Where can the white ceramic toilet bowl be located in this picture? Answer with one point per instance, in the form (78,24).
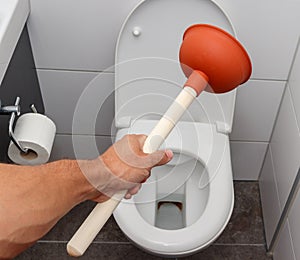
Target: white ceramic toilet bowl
(206,191)
(185,205)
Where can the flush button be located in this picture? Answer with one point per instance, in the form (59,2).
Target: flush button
(136,31)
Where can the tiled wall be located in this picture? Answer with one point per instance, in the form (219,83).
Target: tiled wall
(73,44)
(256,109)
(74,41)
(20,80)
(280,169)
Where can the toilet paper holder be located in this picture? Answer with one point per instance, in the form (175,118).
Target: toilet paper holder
(13,111)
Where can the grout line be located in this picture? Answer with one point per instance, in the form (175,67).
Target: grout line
(94,242)
(288,83)
(248,141)
(237,244)
(129,243)
(294,58)
(261,167)
(293,106)
(91,135)
(278,111)
(52,241)
(112,72)
(111,242)
(285,212)
(76,70)
(260,200)
(286,88)
(266,79)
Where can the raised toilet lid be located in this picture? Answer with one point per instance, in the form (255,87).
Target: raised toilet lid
(148,75)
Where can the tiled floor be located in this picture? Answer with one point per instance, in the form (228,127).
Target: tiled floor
(242,239)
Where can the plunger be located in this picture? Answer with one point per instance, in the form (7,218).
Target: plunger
(212,60)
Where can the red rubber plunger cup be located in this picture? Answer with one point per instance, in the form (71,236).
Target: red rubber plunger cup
(217,54)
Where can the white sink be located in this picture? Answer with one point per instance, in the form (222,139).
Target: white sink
(13,15)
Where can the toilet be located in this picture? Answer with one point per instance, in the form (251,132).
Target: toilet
(185,205)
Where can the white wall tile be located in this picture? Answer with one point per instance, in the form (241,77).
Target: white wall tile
(269,30)
(284,248)
(256,108)
(294,84)
(283,160)
(77,99)
(92,27)
(269,197)
(285,147)
(78,34)
(3,67)
(294,217)
(247,159)
(79,146)
(68,42)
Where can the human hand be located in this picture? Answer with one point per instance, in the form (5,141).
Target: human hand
(124,166)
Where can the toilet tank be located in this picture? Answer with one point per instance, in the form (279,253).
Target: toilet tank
(148,75)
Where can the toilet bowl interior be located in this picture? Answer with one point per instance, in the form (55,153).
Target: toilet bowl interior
(174,197)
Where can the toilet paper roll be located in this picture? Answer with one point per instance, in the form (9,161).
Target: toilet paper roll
(35,132)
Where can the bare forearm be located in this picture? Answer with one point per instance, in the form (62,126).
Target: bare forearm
(34,198)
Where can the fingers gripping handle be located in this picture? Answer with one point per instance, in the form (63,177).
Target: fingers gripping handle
(101,213)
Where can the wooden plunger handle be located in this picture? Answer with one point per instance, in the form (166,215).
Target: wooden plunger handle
(101,213)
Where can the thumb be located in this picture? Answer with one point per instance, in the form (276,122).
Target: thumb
(161,157)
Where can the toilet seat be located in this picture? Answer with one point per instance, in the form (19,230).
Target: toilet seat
(218,208)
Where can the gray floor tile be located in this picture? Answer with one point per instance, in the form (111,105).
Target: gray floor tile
(99,251)
(57,251)
(68,225)
(244,227)
(246,223)
(242,239)
(229,252)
